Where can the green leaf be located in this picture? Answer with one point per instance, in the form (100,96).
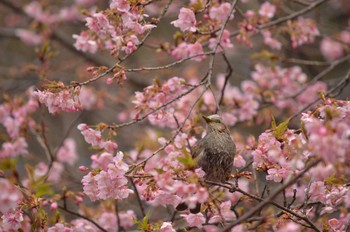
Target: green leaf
(142,225)
(39,185)
(332,179)
(43,189)
(7,163)
(187,160)
(280,129)
(273,123)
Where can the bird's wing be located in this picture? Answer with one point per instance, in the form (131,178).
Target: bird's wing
(197,149)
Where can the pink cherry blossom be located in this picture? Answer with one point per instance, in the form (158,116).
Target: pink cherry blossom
(83,225)
(84,43)
(210,228)
(331,49)
(195,50)
(239,162)
(108,183)
(12,219)
(220,12)
(267,9)
(271,42)
(91,136)
(88,98)
(35,11)
(14,149)
(108,221)
(102,160)
(55,172)
(277,175)
(238,228)
(226,212)
(9,196)
(67,153)
(127,219)
(225,41)
(345,36)
(28,37)
(317,191)
(196,220)
(303,31)
(288,227)
(185,50)
(131,44)
(90,186)
(120,5)
(167,227)
(99,24)
(65,100)
(59,227)
(186,20)
(340,224)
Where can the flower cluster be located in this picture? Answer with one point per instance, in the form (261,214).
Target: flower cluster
(94,137)
(114,29)
(331,49)
(185,50)
(107,180)
(186,21)
(302,31)
(15,117)
(64,100)
(68,99)
(286,88)
(279,157)
(330,126)
(157,95)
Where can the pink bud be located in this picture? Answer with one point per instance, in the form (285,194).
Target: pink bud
(109,81)
(83,168)
(130,44)
(90,69)
(78,199)
(54,206)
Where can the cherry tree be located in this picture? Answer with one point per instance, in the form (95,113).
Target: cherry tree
(102,101)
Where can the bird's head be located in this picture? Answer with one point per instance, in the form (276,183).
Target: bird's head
(215,123)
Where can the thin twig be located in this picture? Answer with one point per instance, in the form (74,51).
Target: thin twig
(82,216)
(117,215)
(167,65)
(138,198)
(227,77)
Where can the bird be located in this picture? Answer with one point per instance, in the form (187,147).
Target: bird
(214,153)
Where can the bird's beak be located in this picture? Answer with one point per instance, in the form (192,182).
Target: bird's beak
(207,119)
